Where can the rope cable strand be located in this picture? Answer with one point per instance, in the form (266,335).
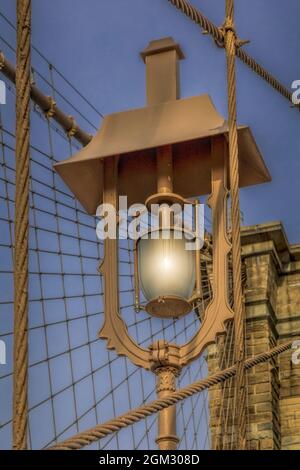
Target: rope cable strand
(98,432)
(219,37)
(47,105)
(21,226)
(239,309)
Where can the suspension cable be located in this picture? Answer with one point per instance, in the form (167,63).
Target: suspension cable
(47,105)
(133,416)
(219,36)
(21,226)
(239,308)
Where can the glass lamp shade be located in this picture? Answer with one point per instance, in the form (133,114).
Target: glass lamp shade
(167,272)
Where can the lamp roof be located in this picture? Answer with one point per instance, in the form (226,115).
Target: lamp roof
(187,124)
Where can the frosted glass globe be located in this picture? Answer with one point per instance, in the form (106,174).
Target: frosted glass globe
(166,267)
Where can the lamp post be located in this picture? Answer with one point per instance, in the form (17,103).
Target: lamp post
(169,152)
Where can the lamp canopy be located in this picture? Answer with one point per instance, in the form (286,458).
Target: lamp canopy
(188,125)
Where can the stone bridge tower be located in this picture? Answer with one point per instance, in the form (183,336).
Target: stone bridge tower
(272,298)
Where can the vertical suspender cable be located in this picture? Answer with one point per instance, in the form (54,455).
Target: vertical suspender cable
(218,35)
(239,313)
(21,225)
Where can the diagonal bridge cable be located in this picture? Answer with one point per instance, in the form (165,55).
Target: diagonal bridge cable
(133,416)
(44,58)
(218,35)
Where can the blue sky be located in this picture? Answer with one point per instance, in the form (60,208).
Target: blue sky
(96,44)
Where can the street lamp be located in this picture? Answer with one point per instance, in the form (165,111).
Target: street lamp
(169,152)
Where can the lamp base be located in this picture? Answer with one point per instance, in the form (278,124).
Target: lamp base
(168,307)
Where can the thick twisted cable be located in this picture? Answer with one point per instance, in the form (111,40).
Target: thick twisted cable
(218,35)
(98,432)
(21,226)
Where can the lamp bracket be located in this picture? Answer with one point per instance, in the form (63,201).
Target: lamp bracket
(218,311)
